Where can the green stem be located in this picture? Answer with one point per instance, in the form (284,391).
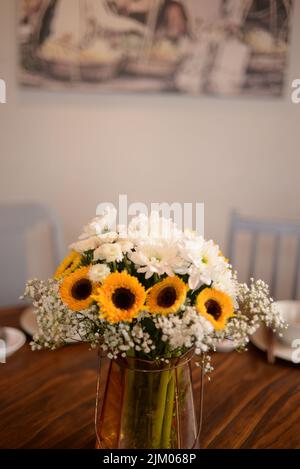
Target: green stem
(129,398)
(167,425)
(128,407)
(127,265)
(160,409)
(150,406)
(156,278)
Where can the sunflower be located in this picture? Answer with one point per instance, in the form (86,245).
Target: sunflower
(167,296)
(120,297)
(215,306)
(76,289)
(68,265)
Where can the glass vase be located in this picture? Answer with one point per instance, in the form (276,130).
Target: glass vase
(146,405)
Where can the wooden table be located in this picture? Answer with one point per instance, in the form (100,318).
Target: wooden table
(47,399)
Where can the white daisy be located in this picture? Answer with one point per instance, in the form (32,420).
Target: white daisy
(138,227)
(125,245)
(99,272)
(157,257)
(100,224)
(153,227)
(224,281)
(85,244)
(205,262)
(109,252)
(108,237)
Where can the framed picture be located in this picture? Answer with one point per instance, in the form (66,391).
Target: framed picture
(210,47)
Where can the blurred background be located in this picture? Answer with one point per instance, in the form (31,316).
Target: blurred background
(70,150)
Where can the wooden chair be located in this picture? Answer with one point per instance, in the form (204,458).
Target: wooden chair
(275,229)
(16,220)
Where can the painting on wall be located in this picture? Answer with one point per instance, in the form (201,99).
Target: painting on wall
(210,47)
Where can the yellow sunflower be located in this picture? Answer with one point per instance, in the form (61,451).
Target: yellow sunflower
(76,289)
(120,297)
(68,265)
(215,306)
(167,296)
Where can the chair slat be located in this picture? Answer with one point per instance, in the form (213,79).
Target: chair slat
(256,227)
(16,220)
(252,262)
(297,273)
(275,265)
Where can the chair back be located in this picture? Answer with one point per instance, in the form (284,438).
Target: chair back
(277,230)
(16,223)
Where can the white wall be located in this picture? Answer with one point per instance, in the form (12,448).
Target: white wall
(72,150)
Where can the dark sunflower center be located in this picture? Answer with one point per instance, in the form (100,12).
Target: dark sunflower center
(213,308)
(166,297)
(82,289)
(123,298)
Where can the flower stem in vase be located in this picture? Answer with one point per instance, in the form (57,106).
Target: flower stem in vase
(140,408)
(160,408)
(128,409)
(150,407)
(169,410)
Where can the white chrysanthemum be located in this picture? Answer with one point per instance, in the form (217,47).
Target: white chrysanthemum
(138,228)
(152,228)
(108,237)
(157,257)
(100,224)
(192,235)
(224,281)
(192,246)
(125,245)
(206,261)
(109,252)
(99,272)
(85,244)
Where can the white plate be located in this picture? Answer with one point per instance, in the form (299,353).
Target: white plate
(281,350)
(290,312)
(225,346)
(14,340)
(29,324)
(28,321)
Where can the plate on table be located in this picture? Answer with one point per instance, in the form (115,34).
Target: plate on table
(225,346)
(281,350)
(14,340)
(28,321)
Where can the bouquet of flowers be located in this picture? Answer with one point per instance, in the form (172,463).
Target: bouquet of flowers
(149,291)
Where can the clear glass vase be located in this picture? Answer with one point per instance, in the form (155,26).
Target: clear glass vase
(141,404)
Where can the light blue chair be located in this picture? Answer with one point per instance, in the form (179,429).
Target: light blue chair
(15,221)
(275,229)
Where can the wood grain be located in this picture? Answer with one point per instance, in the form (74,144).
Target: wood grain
(47,399)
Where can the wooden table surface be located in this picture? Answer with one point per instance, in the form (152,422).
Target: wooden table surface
(47,399)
